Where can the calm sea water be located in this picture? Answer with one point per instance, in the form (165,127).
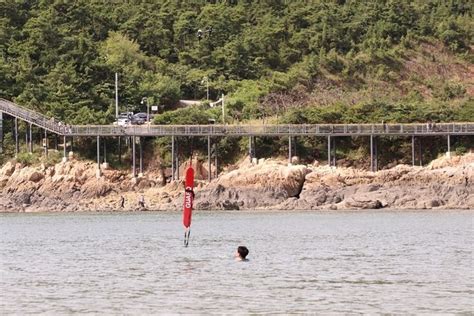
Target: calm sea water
(300,262)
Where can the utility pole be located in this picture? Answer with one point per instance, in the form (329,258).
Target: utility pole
(223,110)
(145,100)
(116,97)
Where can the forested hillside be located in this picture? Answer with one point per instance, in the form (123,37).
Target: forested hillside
(292,61)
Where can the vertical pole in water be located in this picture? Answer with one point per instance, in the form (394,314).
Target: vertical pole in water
(30,138)
(17,146)
(172,157)
(209,158)
(133,157)
(329,151)
(449,145)
(141,155)
(45,143)
(413,150)
(290,147)
(372,153)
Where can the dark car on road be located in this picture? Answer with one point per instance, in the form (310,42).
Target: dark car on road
(139,118)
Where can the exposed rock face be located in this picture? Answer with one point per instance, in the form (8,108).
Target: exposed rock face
(72,186)
(253,186)
(446,183)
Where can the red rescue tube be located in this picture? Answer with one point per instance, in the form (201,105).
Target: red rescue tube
(188,197)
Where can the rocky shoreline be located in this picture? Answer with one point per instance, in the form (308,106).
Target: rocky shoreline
(72,186)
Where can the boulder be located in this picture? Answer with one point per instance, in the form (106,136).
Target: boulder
(361,204)
(95,188)
(36,176)
(228,205)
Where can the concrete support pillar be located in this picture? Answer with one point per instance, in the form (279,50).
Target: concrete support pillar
(98,171)
(177,166)
(98,152)
(26,135)
(64,149)
(45,143)
(250,148)
(334,152)
(141,155)
(329,151)
(30,138)
(134,173)
(105,151)
(376,154)
(413,150)
(372,153)
(17,144)
(120,149)
(172,157)
(290,147)
(449,146)
(420,151)
(209,176)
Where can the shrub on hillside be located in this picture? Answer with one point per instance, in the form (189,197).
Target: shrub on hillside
(194,115)
(26,158)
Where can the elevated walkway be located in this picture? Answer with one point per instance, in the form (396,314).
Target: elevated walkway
(53,125)
(35,118)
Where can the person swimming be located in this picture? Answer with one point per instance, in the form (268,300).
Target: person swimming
(241,253)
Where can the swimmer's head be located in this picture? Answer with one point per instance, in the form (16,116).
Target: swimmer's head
(242,251)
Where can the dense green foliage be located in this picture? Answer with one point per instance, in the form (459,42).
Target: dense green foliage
(378,112)
(60,57)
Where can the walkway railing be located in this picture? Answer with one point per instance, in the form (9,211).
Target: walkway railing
(32,117)
(276,130)
(236,130)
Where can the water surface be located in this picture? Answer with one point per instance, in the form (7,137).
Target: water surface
(308,262)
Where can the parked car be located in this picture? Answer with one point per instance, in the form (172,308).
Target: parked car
(139,118)
(122,121)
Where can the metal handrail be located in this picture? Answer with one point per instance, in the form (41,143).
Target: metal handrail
(276,130)
(463,128)
(31,116)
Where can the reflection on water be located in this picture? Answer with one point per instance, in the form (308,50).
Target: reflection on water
(340,262)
